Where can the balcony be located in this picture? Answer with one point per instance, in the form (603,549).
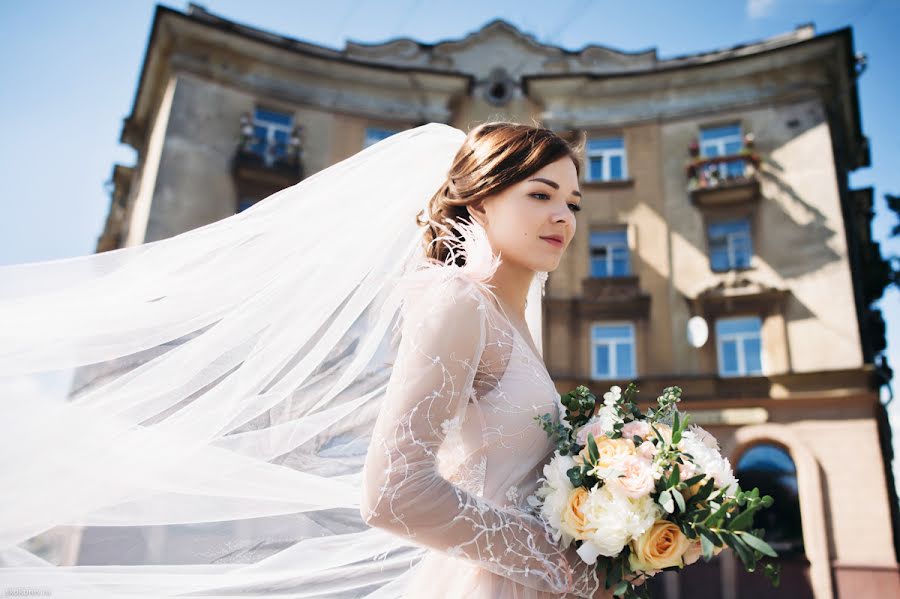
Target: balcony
(263,165)
(727,180)
(613,297)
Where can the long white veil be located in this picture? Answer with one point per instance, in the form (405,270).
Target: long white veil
(227,382)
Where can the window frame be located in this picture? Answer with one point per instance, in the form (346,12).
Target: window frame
(730,251)
(605,154)
(734,168)
(369,141)
(610,262)
(615,374)
(739,339)
(271,129)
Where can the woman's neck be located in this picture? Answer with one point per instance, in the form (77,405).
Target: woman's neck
(511,283)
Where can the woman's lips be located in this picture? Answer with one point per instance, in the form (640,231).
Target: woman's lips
(552,241)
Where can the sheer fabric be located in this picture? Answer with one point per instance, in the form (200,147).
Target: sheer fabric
(230,385)
(456,450)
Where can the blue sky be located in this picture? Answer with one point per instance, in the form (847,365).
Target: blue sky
(70,69)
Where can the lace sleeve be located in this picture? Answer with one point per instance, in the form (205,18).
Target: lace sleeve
(443,338)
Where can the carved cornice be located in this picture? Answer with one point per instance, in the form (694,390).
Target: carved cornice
(738,295)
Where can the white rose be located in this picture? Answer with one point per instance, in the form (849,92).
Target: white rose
(708,459)
(555,492)
(616,519)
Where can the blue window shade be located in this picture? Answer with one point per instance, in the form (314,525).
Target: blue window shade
(605,143)
(611,331)
(625,359)
(752,350)
(732,326)
(615,167)
(729,356)
(270,116)
(596,168)
(718,133)
(602,357)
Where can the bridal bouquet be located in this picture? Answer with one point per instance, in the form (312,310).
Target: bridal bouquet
(642,493)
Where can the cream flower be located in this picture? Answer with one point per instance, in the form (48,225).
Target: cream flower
(635,477)
(614,519)
(709,461)
(613,396)
(554,493)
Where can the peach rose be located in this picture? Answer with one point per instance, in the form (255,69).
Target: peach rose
(608,451)
(661,546)
(573,522)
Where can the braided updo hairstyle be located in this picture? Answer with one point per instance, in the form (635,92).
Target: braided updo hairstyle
(494,156)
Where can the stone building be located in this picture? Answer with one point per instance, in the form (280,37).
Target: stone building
(715,193)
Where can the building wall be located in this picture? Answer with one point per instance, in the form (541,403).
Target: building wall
(826,421)
(797,230)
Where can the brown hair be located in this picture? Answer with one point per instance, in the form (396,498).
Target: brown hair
(494,156)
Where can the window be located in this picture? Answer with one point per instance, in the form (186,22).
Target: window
(739,346)
(730,244)
(770,468)
(612,351)
(609,254)
(606,159)
(376,134)
(723,141)
(272,133)
(245,203)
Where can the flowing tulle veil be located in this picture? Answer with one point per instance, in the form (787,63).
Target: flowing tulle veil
(227,380)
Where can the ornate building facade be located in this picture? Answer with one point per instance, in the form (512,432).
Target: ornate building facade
(715,193)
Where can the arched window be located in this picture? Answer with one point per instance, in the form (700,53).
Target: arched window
(770,468)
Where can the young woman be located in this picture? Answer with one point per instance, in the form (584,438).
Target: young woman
(456,450)
(244,420)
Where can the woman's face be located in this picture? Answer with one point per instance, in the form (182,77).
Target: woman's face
(520,219)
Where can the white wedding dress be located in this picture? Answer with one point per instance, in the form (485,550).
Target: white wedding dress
(250,425)
(456,449)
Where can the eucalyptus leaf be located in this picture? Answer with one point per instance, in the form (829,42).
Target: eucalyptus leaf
(707,547)
(666,501)
(758,544)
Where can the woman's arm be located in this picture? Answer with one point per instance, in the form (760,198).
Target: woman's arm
(443,337)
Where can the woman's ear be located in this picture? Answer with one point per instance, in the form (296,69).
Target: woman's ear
(477,213)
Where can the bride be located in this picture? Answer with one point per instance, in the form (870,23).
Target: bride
(331,394)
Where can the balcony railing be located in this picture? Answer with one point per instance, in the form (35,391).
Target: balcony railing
(715,180)
(265,159)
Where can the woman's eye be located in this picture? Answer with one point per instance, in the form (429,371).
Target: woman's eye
(544,196)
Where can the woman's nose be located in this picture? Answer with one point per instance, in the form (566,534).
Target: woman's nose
(563,215)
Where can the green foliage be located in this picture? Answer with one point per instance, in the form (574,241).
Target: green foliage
(719,520)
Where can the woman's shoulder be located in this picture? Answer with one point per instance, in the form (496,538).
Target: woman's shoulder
(446,289)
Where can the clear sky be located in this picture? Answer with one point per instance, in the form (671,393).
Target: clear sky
(69,71)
